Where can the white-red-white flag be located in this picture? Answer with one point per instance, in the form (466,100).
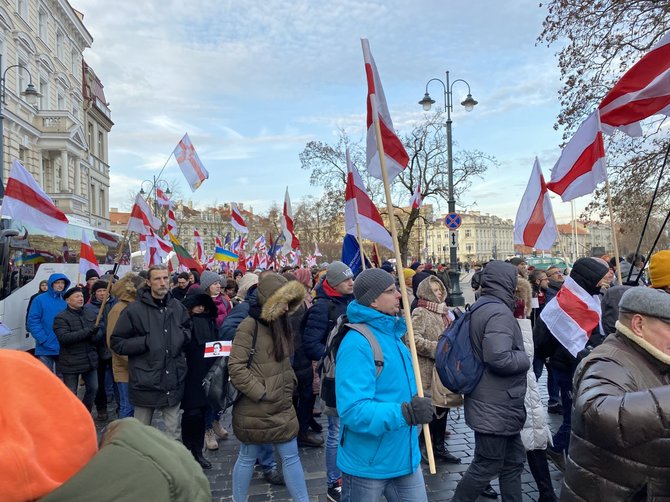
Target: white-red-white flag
(572,315)
(394,151)
(236,219)
(199,246)
(25,201)
(141,218)
(162,198)
(316,249)
(87,258)
(581,165)
(189,163)
(643,91)
(290,239)
(171,224)
(416,201)
(535,225)
(358,208)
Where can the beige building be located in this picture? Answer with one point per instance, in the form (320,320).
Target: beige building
(62,140)
(481,237)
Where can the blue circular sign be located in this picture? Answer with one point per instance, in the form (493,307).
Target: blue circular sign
(453,220)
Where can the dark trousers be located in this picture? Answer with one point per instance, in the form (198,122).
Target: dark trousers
(495,456)
(71,381)
(539,468)
(193,429)
(304,398)
(562,436)
(552,386)
(437,426)
(101,395)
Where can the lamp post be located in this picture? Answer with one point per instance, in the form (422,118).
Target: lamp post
(31,95)
(155,183)
(456,295)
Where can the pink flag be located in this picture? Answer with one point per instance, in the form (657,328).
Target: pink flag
(189,163)
(199,246)
(141,218)
(358,207)
(291,241)
(581,165)
(25,201)
(162,198)
(571,316)
(535,225)
(236,219)
(416,198)
(87,259)
(643,91)
(394,151)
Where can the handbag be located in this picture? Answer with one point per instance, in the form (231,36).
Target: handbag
(220,391)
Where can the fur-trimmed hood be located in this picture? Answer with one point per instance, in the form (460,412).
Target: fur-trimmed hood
(278,295)
(424,290)
(125,289)
(524,291)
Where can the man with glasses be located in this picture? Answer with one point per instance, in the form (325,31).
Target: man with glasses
(556,279)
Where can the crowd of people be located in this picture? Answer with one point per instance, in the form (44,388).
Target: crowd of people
(143,341)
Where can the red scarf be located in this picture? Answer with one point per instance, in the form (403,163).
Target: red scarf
(438,308)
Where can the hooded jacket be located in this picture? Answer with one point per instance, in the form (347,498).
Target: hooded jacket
(125,292)
(620,438)
(375,440)
(321,318)
(153,338)
(265,413)
(496,405)
(41,317)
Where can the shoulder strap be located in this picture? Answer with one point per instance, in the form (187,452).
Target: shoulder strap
(377,353)
(253,345)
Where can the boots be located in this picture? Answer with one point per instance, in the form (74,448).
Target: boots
(441,453)
(199,457)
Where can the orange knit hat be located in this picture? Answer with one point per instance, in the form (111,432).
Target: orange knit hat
(36,459)
(659,269)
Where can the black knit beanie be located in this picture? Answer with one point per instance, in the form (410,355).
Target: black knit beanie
(587,272)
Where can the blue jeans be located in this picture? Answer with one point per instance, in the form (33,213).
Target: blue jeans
(332,440)
(49,362)
(409,488)
(125,408)
(71,381)
(292,469)
(562,436)
(266,458)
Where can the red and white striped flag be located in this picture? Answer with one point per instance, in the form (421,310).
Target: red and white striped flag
(162,198)
(535,225)
(316,250)
(171,224)
(358,208)
(572,315)
(199,246)
(141,218)
(291,241)
(87,259)
(643,91)
(394,151)
(581,165)
(25,201)
(189,163)
(416,198)
(236,219)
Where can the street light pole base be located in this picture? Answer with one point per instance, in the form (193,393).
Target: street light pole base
(456,295)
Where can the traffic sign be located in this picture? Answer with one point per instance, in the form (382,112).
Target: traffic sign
(453,238)
(453,220)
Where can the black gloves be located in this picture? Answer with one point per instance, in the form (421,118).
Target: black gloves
(418,411)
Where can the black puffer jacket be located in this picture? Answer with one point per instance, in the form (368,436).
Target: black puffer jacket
(153,338)
(496,406)
(620,438)
(321,318)
(78,339)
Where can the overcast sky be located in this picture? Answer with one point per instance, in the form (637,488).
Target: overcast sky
(252,82)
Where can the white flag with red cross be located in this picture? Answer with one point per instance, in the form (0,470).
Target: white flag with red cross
(189,163)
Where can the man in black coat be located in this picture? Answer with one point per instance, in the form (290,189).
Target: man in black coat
(78,338)
(495,408)
(152,331)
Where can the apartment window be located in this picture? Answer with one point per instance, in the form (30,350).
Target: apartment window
(21,75)
(76,67)
(22,8)
(61,99)
(101,146)
(60,41)
(467,233)
(23,155)
(42,20)
(44,91)
(90,137)
(102,202)
(92,201)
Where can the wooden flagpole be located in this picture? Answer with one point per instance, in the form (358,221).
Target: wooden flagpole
(403,287)
(115,268)
(615,242)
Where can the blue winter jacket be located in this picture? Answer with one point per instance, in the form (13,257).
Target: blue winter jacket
(41,317)
(237,315)
(375,440)
(321,318)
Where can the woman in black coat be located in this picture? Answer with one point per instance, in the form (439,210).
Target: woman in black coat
(203,312)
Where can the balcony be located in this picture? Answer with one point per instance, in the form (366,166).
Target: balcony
(55,121)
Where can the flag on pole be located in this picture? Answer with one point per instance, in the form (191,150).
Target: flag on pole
(581,165)
(351,254)
(87,259)
(416,198)
(171,224)
(189,163)
(643,91)
(259,245)
(572,315)
(199,246)
(25,201)
(141,218)
(162,199)
(183,256)
(396,155)
(316,250)
(235,246)
(291,241)
(535,225)
(224,255)
(359,207)
(236,219)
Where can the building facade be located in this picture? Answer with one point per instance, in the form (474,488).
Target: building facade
(42,42)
